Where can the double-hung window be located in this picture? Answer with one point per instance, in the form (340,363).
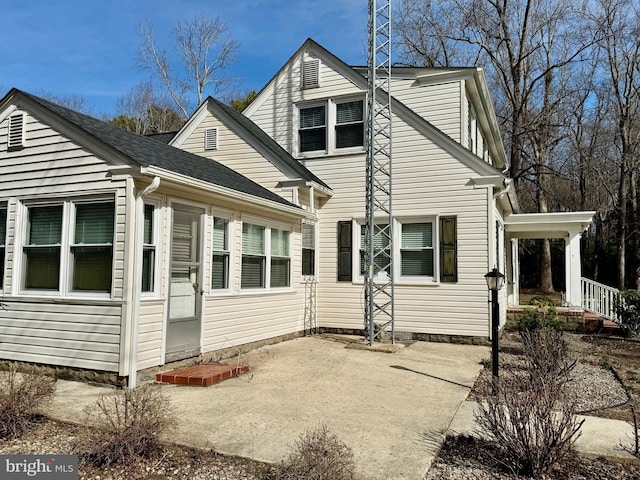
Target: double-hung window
(308,249)
(350,124)
(424,250)
(149,249)
(280,260)
(313,128)
(221,254)
(416,250)
(266,260)
(68,247)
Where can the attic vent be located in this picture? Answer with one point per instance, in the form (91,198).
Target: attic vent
(16,131)
(310,73)
(211,139)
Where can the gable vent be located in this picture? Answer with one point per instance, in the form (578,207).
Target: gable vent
(310,73)
(16,131)
(211,139)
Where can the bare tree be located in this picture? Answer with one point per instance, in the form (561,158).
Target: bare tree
(205,49)
(618,22)
(529,46)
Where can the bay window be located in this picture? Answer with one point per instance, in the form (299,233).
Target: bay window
(68,246)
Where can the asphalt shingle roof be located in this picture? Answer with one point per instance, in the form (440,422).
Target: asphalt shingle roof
(145,152)
(269,143)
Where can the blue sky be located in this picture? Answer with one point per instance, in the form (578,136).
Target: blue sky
(88,47)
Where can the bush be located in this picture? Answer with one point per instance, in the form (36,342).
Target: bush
(542,301)
(546,353)
(318,455)
(530,417)
(128,425)
(21,394)
(536,318)
(627,308)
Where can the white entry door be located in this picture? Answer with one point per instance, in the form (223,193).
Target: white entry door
(185,290)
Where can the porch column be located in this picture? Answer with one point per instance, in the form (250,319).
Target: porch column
(573,271)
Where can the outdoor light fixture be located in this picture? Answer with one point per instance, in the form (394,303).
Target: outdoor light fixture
(495,280)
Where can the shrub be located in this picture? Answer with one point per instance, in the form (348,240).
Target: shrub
(21,394)
(318,455)
(542,301)
(627,308)
(530,417)
(546,352)
(536,318)
(128,425)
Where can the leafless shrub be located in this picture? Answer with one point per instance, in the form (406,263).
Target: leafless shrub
(128,425)
(546,352)
(530,416)
(318,455)
(21,394)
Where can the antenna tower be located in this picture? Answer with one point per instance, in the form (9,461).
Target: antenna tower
(378,241)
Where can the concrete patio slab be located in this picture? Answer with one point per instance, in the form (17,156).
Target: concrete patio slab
(392,409)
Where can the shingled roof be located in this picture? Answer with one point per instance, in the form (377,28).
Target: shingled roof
(145,152)
(261,138)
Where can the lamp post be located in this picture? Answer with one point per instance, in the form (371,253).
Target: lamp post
(494,279)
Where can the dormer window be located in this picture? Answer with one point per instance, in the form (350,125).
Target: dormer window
(15,137)
(311,73)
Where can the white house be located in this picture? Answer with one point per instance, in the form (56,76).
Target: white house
(122,253)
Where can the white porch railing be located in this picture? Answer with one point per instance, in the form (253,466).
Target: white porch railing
(599,298)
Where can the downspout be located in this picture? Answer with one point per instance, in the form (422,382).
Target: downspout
(137,278)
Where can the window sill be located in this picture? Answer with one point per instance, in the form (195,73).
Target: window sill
(405,282)
(264,291)
(343,152)
(35,297)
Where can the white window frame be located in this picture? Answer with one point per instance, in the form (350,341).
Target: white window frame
(331,105)
(267,249)
(316,256)
(154,244)
(359,225)
(231,229)
(65,279)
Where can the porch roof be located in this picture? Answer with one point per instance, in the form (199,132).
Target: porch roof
(547,225)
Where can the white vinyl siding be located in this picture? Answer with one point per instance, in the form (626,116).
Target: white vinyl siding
(69,334)
(82,333)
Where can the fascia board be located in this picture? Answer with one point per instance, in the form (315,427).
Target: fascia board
(191,183)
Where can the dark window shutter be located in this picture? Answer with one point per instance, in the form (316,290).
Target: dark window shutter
(344,251)
(448,250)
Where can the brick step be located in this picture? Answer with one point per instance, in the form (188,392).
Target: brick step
(201,375)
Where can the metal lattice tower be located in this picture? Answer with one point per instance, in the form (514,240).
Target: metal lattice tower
(378,242)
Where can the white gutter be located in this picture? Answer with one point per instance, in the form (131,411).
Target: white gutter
(137,278)
(225,191)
